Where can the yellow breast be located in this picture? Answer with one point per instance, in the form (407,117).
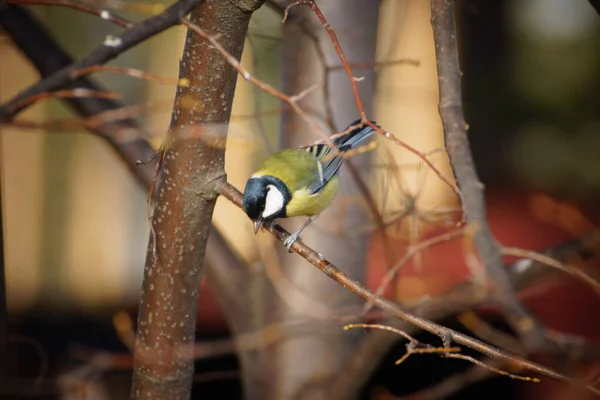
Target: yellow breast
(305,203)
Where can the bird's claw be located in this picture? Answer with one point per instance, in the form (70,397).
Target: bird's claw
(290,241)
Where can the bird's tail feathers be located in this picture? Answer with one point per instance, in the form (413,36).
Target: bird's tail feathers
(355,137)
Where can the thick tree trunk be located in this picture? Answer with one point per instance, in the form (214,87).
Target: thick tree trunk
(185,199)
(304,364)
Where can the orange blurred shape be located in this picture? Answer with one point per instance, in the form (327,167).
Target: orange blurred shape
(532,222)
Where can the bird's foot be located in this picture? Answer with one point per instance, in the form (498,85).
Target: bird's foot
(290,241)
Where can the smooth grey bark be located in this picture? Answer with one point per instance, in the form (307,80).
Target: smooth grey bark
(305,365)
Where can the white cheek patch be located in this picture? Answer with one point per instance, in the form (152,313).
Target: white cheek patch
(274,202)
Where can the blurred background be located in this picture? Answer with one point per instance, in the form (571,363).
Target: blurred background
(75,220)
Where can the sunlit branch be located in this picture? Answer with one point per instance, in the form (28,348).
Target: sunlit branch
(447,335)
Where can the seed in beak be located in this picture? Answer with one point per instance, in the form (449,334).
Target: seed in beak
(257,225)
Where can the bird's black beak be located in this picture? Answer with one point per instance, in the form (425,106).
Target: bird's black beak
(257,225)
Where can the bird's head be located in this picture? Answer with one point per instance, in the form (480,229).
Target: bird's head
(265,198)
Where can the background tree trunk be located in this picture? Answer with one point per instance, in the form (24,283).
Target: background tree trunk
(303,363)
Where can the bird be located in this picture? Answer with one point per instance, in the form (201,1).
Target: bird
(300,181)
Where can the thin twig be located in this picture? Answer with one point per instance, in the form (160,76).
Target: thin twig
(384,328)
(244,73)
(411,252)
(69,93)
(353,83)
(549,261)
(484,331)
(413,344)
(338,48)
(358,101)
(375,64)
(119,136)
(492,369)
(136,73)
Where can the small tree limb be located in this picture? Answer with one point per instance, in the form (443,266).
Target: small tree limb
(48,57)
(457,144)
(445,334)
(102,54)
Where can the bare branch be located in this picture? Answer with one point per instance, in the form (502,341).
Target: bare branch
(338,48)
(48,57)
(136,73)
(102,54)
(244,73)
(457,144)
(415,347)
(493,369)
(549,261)
(523,274)
(481,329)
(69,93)
(411,252)
(445,334)
(353,83)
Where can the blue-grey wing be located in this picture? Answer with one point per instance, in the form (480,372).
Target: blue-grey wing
(327,169)
(330,165)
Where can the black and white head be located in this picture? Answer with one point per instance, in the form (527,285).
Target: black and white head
(265,198)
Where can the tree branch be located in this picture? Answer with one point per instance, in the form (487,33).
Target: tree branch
(523,274)
(125,136)
(102,54)
(457,144)
(445,334)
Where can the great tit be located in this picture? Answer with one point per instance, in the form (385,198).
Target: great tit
(299,182)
